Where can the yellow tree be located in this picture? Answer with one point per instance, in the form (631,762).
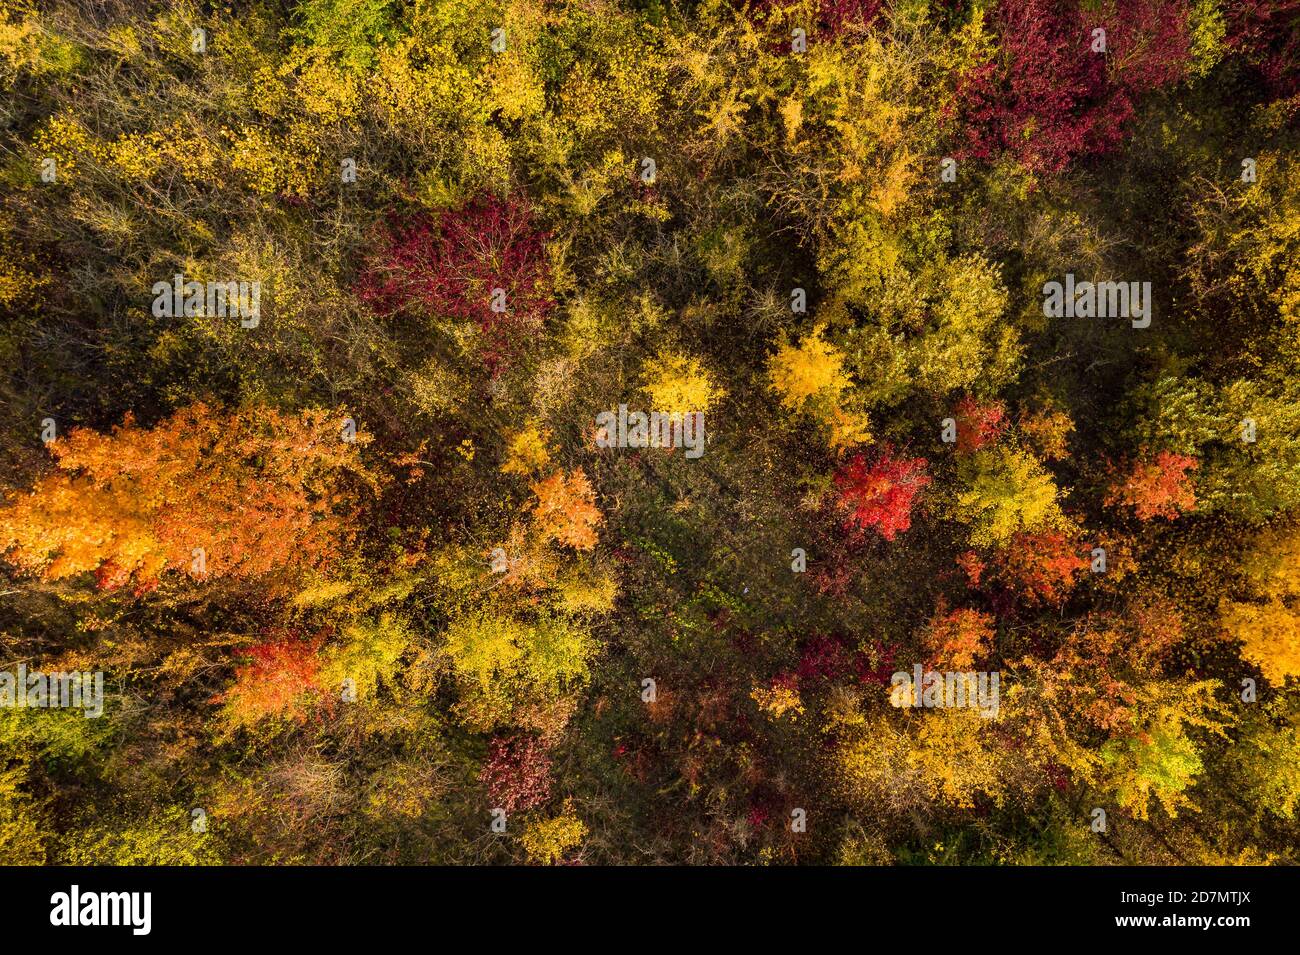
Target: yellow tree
(679,384)
(1269,628)
(810,377)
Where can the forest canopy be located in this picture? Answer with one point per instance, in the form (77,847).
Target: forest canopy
(650,431)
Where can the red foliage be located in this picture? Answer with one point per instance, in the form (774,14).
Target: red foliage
(838,15)
(1049,98)
(875,663)
(880,494)
(833,575)
(830,659)
(832,581)
(786,680)
(517,773)
(1148,42)
(453,263)
(1041,566)
(979,424)
(111,575)
(275,681)
(1267,33)
(1159,487)
(824,658)
(1045,102)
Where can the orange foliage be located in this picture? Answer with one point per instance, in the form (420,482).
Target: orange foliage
(1270,634)
(255,489)
(1159,487)
(957,638)
(566,509)
(275,681)
(1095,674)
(1041,566)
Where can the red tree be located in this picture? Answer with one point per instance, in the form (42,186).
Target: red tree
(1041,567)
(1156,487)
(978,424)
(276,681)
(485,262)
(1049,97)
(824,659)
(1148,42)
(1267,34)
(880,494)
(517,773)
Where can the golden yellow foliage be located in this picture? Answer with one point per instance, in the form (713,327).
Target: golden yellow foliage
(778,700)
(528,451)
(1009,491)
(810,377)
(848,428)
(813,370)
(1271,634)
(679,384)
(547,840)
(1048,432)
(945,754)
(1273,563)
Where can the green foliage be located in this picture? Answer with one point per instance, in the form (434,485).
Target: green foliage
(1159,760)
(1008,492)
(368,654)
(23,836)
(163,838)
(349,29)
